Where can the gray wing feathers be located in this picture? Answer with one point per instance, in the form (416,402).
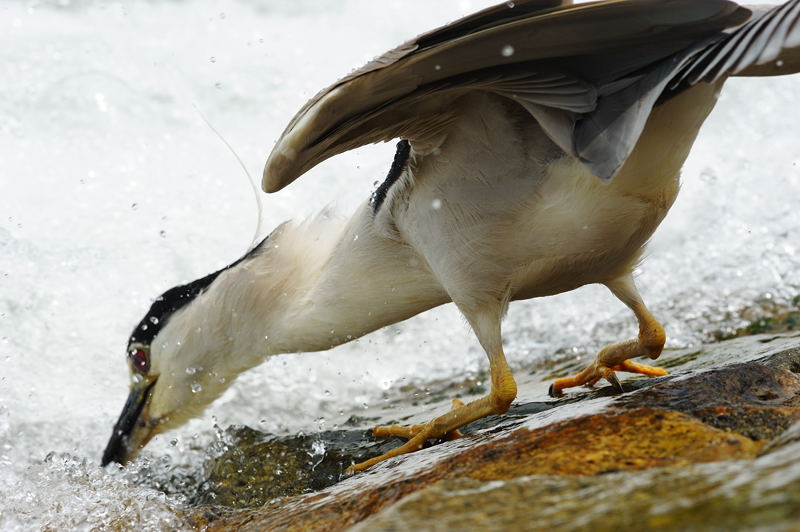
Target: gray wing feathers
(490,16)
(588,73)
(606,137)
(556,91)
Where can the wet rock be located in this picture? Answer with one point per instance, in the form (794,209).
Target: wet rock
(257,467)
(762,494)
(751,399)
(707,444)
(604,443)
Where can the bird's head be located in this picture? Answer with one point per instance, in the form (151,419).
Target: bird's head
(178,364)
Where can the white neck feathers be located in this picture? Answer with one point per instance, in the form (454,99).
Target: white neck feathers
(317,284)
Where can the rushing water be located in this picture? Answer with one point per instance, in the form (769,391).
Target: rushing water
(112,189)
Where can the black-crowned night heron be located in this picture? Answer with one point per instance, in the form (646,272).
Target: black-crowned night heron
(542,147)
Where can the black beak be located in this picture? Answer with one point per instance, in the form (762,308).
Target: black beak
(132,431)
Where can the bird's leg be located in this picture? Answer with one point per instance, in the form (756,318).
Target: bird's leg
(615,357)
(504,390)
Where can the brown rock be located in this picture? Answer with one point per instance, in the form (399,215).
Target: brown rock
(603,443)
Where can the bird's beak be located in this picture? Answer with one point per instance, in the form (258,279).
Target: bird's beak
(134,428)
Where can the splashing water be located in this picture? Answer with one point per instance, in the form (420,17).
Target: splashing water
(97,117)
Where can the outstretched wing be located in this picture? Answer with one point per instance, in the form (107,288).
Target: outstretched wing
(588,73)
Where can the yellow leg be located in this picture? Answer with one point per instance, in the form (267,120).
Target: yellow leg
(650,342)
(504,390)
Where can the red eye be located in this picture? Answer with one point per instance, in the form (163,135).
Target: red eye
(138,358)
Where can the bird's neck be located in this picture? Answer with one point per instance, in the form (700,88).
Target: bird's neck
(322,283)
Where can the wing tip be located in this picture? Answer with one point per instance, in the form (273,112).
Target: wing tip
(268,185)
(279,171)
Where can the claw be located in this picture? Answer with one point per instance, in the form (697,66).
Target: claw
(553,393)
(612,378)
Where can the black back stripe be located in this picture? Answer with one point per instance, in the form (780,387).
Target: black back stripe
(398,165)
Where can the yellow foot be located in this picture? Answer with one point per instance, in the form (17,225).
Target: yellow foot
(642,369)
(503,392)
(417,434)
(409,431)
(596,371)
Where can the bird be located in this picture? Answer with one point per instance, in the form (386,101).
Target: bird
(540,146)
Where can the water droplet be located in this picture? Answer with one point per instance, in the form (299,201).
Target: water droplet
(507,50)
(191,371)
(173,442)
(317,447)
(510,4)
(436,204)
(100,100)
(196,387)
(153,320)
(437,67)
(134,206)
(212,59)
